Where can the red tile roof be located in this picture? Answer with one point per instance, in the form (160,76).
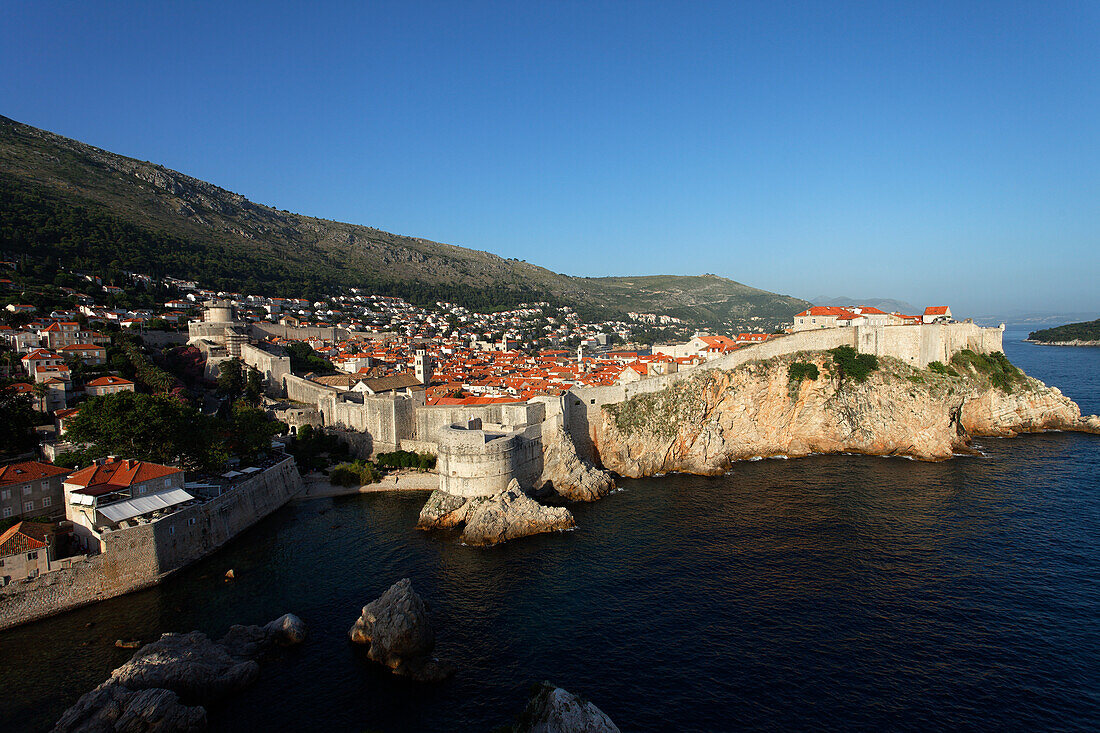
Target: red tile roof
(24,536)
(108,382)
(18,473)
(118,474)
(936,310)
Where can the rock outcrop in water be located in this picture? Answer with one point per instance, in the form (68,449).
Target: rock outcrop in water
(554,710)
(703,424)
(565,474)
(490,520)
(399,631)
(167,683)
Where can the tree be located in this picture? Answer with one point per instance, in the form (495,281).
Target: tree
(156,428)
(254,387)
(250,431)
(17,421)
(231,379)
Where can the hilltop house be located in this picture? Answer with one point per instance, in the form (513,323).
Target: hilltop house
(108,385)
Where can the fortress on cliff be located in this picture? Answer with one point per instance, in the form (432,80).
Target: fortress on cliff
(481,448)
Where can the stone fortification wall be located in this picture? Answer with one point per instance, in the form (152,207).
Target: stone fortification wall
(921,345)
(386,419)
(137,557)
(160,339)
(303,390)
(298,333)
(430,420)
(916,345)
(474,462)
(273,367)
(370,424)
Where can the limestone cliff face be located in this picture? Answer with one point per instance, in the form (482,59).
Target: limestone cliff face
(566,475)
(705,423)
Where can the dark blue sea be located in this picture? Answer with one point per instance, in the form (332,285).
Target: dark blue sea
(828,593)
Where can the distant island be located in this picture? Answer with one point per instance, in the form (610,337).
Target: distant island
(1071,334)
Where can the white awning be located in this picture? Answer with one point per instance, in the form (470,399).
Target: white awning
(131,508)
(232,474)
(250,469)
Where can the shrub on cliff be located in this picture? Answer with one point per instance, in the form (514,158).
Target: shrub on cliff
(995,367)
(799,370)
(940,368)
(850,364)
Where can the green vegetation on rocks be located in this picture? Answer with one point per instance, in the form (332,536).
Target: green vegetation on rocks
(851,364)
(995,367)
(940,368)
(799,370)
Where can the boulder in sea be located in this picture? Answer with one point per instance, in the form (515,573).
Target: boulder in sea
(166,683)
(443,511)
(554,710)
(399,631)
(509,515)
(112,707)
(490,520)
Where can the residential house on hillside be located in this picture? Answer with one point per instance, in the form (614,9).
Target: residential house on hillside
(108,385)
(114,493)
(31,489)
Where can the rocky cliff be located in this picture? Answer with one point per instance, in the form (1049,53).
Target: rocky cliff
(703,424)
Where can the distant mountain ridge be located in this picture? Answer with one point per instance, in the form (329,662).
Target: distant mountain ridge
(92,209)
(885,304)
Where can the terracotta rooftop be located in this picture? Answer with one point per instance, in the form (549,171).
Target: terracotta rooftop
(18,473)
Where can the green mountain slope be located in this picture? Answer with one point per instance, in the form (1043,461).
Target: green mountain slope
(93,209)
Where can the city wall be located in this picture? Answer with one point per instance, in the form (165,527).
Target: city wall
(141,556)
(297,333)
(481,462)
(916,345)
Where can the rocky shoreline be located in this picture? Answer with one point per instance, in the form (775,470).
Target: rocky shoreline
(167,684)
(705,424)
(1075,342)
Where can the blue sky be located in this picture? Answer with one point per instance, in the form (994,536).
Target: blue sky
(933,152)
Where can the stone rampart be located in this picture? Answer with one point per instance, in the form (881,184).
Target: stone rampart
(916,345)
(430,420)
(141,556)
(481,462)
(298,333)
(273,367)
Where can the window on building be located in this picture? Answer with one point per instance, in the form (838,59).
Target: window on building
(167,482)
(141,489)
(171,530)
(45,486)
(27,490)
(28,506)
(5,494)
(46,501)
(7,512)
(32,555)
